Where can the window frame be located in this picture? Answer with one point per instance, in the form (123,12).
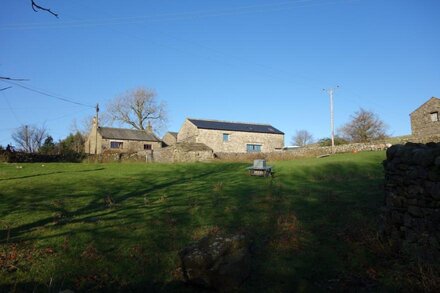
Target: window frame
(434,116)
(253,148)
(226,137)
(120,145)
(148,146)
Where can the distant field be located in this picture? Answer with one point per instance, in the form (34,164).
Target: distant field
(120,226)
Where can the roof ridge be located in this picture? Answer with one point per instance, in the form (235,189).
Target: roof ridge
(424,103)
(118,128)
(224,121)
(126,133)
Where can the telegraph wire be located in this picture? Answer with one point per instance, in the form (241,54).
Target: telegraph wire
(240,10)
(10,108)
(66,115)
(222,57)
(58,97)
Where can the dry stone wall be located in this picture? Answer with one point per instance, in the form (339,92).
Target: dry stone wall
(310,151)
(422,139)
(184,153)
(411,215)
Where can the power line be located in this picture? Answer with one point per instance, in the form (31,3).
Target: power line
(240,10)
(10,108)
(64,99)
(222,57)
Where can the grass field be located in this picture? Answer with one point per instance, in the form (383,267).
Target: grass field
(120,226)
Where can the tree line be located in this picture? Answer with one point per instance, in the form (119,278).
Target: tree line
(364,126)
(32,139)
(140,107)
(136,108)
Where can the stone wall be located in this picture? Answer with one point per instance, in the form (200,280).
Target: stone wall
(411,215)
(129,146)
(421,121)
(422,139)
(169,138)
(118,157)
(93,141)
(187,133)
(310,151)
(184,152)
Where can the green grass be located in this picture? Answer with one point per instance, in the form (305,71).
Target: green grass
(120,226)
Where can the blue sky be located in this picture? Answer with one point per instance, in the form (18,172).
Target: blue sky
(250,61)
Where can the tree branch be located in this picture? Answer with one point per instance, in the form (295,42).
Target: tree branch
(37,7)
(13,79)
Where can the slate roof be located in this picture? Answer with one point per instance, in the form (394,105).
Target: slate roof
(126,134)
(234,126)
(191,146)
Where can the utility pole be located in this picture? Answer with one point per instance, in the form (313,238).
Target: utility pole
(96,129)
(330,92)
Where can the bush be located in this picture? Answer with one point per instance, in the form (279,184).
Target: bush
(328,141)
(22,157)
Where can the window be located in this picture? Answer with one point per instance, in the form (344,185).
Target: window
(225,137)
(434,116)
(116,144)
(253,148)
(147,146)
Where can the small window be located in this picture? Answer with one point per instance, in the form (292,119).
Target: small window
(434,116)
(253,148)
(116,144)
(225,137)
(147,146)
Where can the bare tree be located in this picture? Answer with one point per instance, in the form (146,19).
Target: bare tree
(36,7)
(364,126)
(137,108)
(29,138)
(302,138)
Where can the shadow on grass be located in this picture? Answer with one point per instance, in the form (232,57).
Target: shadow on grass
(97,204)
(295,221)
(50,173)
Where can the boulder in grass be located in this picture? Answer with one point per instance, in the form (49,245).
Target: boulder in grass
(219,262)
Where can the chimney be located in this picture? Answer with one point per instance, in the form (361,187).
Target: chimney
(149,128)
(94,124)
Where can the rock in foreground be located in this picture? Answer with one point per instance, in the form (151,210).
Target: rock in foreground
(219,262)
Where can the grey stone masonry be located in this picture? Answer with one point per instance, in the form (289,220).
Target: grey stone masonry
(231,141)
(425,121)
(411,215)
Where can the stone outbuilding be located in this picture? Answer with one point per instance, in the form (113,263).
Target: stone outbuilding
(184,152)
(170,138)
(232,137)
(425,120)
(120,140)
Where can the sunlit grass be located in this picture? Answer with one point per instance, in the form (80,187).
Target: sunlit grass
(96,226)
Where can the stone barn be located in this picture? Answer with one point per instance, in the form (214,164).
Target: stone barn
(425,120)
(232,137)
